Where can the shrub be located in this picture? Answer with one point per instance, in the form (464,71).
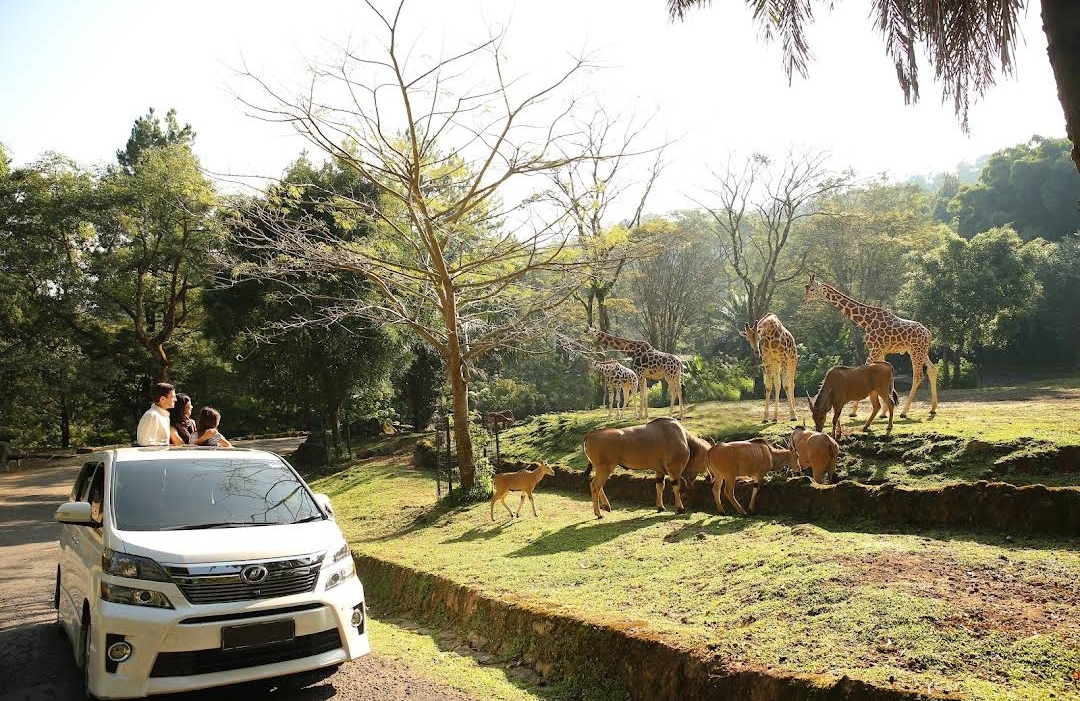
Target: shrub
(98,438)
(812,369)
(714,380)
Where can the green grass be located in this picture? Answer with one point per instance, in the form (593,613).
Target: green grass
(983,616)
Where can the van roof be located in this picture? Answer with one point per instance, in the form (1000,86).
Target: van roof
(185,452)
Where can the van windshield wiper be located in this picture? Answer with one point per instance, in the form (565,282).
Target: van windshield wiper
(219,524)
(316,517)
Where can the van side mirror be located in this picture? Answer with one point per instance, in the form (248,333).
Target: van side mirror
(77,513)
(324,503)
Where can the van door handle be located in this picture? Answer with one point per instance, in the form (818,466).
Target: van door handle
(74,539)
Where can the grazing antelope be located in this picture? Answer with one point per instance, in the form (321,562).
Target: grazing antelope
(752,458)
(816,450)
(844,384)
(662,445)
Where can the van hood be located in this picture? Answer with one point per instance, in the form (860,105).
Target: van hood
(231,544)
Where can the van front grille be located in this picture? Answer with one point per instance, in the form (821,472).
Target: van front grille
(243,581)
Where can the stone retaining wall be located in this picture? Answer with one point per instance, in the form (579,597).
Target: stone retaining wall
(994,506)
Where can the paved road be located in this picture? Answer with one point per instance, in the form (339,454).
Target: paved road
(35,657)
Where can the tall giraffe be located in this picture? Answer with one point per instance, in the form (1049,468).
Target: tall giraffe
(775,347)
(617,378)
(649,364)
(885,333)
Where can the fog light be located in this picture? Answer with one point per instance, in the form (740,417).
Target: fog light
(357,618)
(119,652)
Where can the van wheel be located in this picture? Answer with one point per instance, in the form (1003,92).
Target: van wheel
(86,661)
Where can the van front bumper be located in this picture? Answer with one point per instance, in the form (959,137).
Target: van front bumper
(181,649)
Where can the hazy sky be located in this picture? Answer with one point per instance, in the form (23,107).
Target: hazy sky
(75,75)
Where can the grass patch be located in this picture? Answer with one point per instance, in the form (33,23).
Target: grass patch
(986,618)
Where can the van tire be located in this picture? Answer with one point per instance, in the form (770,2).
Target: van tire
(86,661)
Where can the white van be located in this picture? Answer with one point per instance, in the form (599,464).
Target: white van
(187,568)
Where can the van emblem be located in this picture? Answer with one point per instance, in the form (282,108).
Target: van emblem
(253,574)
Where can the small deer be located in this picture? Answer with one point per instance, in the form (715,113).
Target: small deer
(523,481)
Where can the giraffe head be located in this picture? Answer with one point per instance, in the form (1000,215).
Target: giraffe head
(814,290)
(750,334)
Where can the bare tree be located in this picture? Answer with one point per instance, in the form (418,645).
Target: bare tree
(449,258)
(674,287)
(756,207)
(586,190)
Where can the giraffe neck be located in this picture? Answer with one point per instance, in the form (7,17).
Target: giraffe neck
(616,343)
(848,306)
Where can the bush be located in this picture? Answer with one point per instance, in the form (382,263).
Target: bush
(712,380)
(98,438)
(504,393)
(812,369)
(968,379)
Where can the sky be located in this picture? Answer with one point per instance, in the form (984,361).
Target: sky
(74,75)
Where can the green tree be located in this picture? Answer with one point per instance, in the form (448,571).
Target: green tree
(155,228)
(1033,187)
(974,293)
(332,366)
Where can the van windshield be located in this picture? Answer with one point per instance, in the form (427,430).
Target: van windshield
(161,495)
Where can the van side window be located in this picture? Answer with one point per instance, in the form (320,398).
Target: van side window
(79,491)
(96,493)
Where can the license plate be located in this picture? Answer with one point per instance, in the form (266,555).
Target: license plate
(254,634)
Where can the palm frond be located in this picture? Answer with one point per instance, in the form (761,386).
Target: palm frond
(967,42)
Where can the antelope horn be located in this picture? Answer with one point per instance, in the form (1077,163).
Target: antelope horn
(809,400)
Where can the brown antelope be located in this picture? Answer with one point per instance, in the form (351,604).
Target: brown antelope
(523,481)
(844,384)
(816,450)
(752,458)
(662,445)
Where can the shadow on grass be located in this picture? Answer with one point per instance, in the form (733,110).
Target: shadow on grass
(579,537)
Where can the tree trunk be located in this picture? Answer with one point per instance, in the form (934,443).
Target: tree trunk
(333,412)
(65,422)
(1061,22)
(160,361)
(602,312)
(462,437)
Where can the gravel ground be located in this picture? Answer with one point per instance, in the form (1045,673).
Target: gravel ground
(35,657)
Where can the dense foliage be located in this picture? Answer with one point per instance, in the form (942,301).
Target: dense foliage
(121,275)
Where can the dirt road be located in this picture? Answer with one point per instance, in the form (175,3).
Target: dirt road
(36,658)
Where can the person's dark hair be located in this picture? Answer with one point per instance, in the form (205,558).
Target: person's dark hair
(208,418)
(160,390)
(176,414)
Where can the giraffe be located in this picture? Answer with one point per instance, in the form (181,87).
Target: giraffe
(775,347)
(885,333)
(649,364)
(617,378)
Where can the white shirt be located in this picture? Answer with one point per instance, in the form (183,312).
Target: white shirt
(153,427)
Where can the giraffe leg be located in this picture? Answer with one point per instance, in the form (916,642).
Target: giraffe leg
(676,392)
(931,378)
(765,381)
(643,395)
(775,382)
(916,380)
(789,387)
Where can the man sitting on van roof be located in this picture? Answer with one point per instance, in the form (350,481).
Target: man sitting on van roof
(154,424)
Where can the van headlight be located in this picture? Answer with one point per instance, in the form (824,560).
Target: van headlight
(132,566)
(337,575)
(119,594)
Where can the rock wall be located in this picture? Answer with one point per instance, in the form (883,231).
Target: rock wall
(994,506)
